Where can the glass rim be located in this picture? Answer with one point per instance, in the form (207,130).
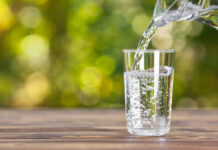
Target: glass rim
(150,50)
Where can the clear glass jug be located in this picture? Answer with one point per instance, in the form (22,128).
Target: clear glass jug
(166,11)
(205,11)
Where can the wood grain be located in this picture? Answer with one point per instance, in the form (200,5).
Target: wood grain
(102,129)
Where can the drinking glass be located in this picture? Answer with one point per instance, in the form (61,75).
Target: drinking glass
(148,91)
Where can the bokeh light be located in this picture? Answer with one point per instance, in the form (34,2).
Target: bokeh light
(35,50)
(163,39)
(139,23)
(30,16)
(5,16)
(33,92)
(106,64)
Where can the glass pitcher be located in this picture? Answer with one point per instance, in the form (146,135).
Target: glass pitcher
(205,11)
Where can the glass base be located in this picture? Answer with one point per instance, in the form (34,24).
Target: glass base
(148,132)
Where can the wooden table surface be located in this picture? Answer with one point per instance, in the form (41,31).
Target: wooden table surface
(102,129)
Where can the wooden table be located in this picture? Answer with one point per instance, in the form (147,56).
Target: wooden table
(102,129)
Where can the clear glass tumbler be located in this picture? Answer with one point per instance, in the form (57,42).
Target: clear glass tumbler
(148,91)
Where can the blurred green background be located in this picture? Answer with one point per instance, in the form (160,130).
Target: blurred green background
(68,53)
